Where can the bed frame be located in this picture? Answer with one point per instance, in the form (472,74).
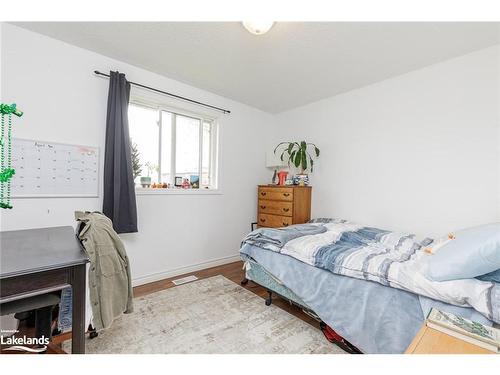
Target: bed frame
(259,275)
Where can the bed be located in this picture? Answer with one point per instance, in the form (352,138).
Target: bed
(376,318)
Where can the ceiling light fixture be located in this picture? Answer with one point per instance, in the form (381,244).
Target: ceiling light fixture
(259,27)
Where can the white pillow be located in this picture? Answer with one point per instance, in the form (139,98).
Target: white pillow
(469,253)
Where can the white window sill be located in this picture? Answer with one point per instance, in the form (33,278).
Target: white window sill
(151,191)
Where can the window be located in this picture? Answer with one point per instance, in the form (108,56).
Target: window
(167,144)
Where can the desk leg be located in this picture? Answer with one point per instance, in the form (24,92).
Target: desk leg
(78,325)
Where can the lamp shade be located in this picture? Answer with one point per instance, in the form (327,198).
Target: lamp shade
(273,161)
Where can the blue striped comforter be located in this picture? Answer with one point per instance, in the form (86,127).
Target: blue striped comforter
(389,258)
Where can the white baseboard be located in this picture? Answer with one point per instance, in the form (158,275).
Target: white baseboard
(182,270)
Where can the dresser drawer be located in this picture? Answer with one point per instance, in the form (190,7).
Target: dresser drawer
(275,207)
(276,194)
(274,221)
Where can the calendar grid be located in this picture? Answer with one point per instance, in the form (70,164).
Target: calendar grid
(49,169)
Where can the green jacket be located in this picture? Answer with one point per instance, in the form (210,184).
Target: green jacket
(109,275)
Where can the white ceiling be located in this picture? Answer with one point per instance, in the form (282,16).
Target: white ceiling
(294,64)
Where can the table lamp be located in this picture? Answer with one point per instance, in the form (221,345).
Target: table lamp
(274,162)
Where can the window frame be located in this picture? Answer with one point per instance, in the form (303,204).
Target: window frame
(214,157)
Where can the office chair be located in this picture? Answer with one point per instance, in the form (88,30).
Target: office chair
(43,306)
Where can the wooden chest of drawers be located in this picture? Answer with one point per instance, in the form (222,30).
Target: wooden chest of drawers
(280,206)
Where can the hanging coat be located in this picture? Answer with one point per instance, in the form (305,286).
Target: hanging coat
(110,283)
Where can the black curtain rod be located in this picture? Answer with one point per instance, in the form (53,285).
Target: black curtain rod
(169,94)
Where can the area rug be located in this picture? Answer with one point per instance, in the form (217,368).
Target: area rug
(211,315)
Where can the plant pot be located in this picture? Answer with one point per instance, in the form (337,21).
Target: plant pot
(145,182)
(301,179)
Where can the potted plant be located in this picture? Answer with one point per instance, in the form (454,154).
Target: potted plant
(146,181)
(299,155)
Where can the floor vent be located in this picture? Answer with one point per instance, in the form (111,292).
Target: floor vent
(185,280)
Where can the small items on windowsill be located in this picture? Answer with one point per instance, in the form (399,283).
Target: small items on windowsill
(146,182)
(165,186)
(193,182)
(160,185)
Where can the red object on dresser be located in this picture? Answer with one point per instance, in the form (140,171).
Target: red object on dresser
(282,177)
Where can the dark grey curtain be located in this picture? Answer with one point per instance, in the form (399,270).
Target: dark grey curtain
(119,191)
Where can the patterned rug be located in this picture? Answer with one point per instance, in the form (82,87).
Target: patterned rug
(211,315)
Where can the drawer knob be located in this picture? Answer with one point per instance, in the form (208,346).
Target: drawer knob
(286,209)
(262,193)
(263,220)
(286,194)
(263,207)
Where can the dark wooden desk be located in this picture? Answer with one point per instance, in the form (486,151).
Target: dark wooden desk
(39,261)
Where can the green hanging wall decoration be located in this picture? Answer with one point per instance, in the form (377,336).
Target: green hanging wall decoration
(6,170)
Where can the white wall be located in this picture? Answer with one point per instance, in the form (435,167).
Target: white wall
(419,152)
(63,101)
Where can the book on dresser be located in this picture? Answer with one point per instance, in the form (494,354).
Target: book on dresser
(465,329)
(281,206)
